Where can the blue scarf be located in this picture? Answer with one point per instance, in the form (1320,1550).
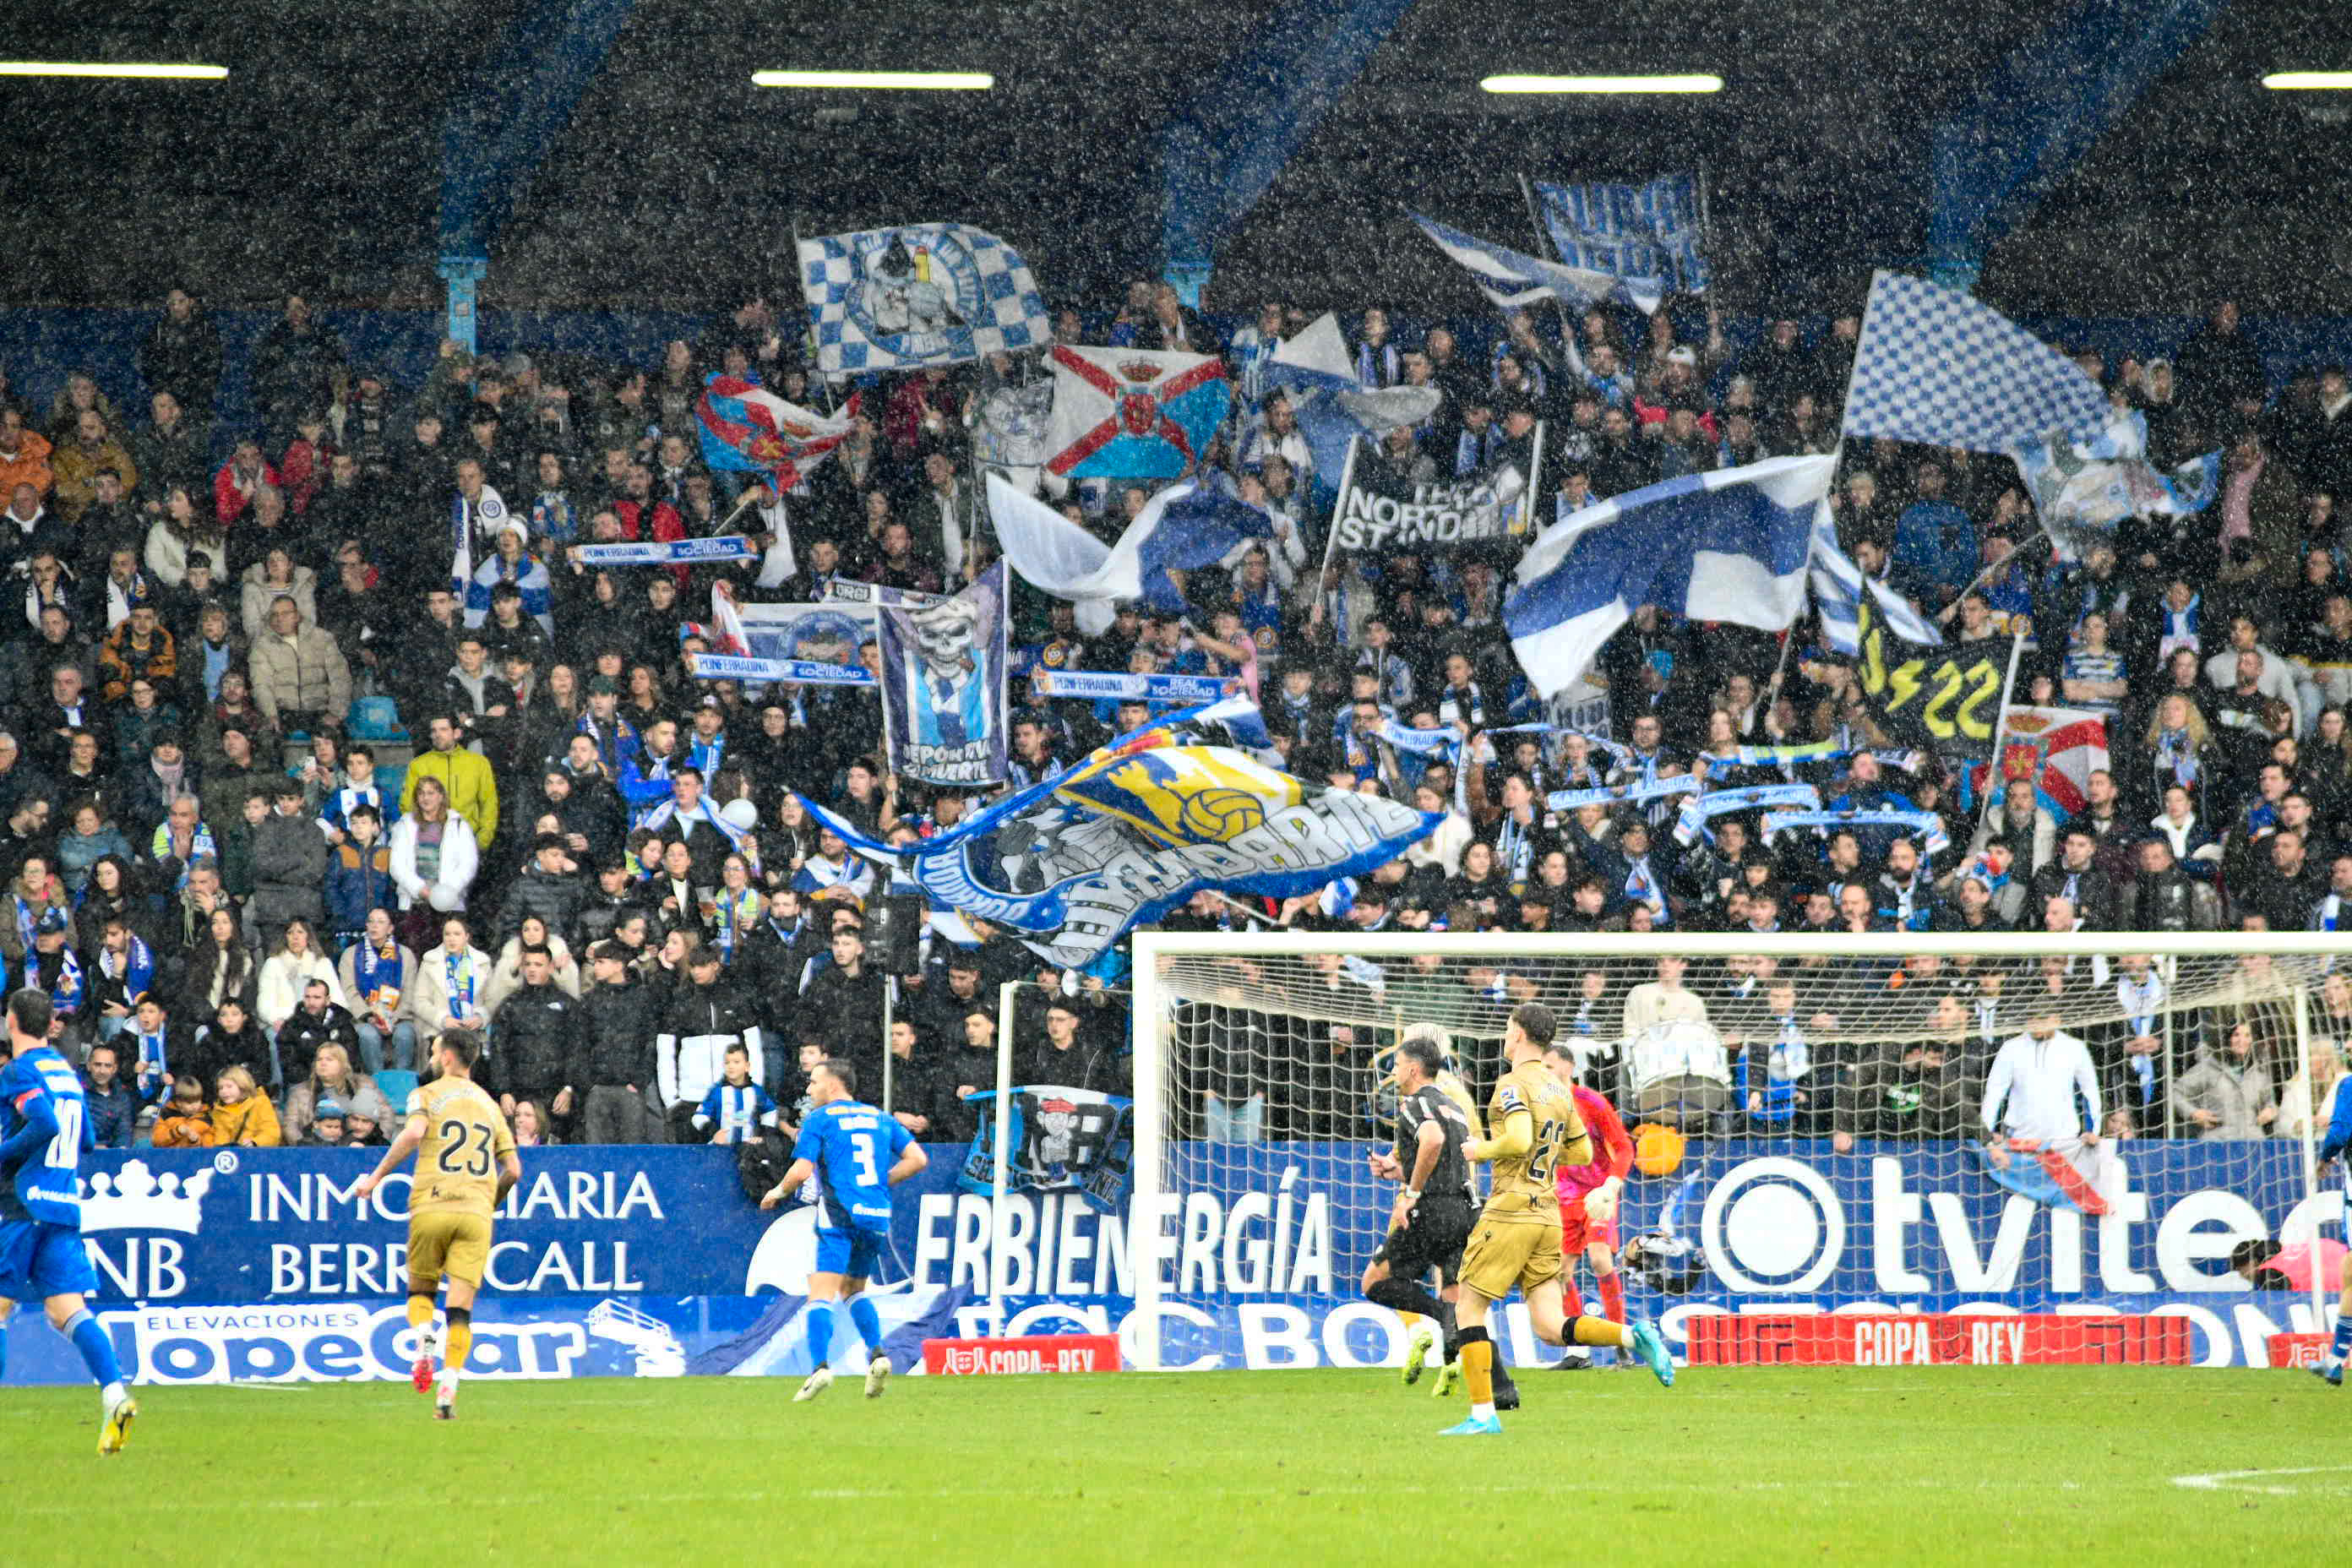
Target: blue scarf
(457,968)
(1692,823)
(67,995)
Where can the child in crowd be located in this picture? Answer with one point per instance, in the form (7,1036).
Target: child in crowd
(185,1123)
(242,1113)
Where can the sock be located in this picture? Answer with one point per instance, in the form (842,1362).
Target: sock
(420,1317)
(1445,1326)
(97,1350)
(1478,1366)
(820,1317)
(1412,1321)
(1501,1369)
(461,1343)
(1600,1331)
(869,1324)
(1613,1297)
(5,1314)
(1404,1295)
(1570,1298)
(2342,1350)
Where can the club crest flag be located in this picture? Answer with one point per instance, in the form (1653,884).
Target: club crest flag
(1075,862)
(2059,749)
(746,428)
(1133,413)
(919,294)
(943,668)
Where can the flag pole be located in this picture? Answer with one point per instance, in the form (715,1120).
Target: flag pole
(800,269)
(1544,245)
(1332,534)
(2000,720)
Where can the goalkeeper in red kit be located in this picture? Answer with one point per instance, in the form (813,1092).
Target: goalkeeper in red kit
(1588,1199)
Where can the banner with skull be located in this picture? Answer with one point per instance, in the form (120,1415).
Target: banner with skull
(943,677)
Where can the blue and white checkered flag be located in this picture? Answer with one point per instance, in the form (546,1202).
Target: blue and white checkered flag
(1938,367)
(920,294)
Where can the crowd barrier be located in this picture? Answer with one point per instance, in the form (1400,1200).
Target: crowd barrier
(231,1265)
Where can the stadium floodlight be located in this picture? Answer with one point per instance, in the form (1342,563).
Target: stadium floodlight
(880,81)
(2308,81)
(124,69)
(1261,1077)
(1695,82)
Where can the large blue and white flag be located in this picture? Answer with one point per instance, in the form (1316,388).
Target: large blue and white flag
(1075,862)
(1731,545)
(1837,595)
(1179,528)
(2082,489)
(1939,368)
(1333,405)
(919,294)
(1646,236)
(943,673)
(1514,279)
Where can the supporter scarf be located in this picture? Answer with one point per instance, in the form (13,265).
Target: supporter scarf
(1691,823)
(67,995)
(25,917)
(735,913)
(1786,757)
(708,755)
(155,1068)
(2176,757)
(2179,626)
(665,813)
(135,968)
(1623,794)
(1925,824)
(1641,888)
(374,970)
(458,970)
(666,551)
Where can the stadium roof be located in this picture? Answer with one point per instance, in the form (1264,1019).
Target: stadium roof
(316,163)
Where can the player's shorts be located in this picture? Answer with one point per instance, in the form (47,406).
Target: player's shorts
(1504,1254)
(446,1243)
(39,1260)
(1578,1231)
(850,1252)
(1434,1239)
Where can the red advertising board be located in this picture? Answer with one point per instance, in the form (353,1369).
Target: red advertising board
(1022,1352)
(1932,1339)
(2298,1351)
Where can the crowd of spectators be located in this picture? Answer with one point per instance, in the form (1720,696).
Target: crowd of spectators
(279,797)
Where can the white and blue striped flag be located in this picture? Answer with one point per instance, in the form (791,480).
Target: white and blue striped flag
(1730,545)
(1939,368)
(1512,278)
(1837,595)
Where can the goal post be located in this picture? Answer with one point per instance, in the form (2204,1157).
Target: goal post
(1810,1114)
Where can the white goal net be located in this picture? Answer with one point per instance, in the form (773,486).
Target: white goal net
(1810,1127)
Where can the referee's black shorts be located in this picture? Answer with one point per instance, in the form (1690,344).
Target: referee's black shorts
(1433,1238)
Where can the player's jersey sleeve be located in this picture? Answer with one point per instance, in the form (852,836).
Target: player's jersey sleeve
(810,1144)
(899,1138)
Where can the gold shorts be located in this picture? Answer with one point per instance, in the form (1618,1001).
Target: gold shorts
(1504,1254)
(452,1243)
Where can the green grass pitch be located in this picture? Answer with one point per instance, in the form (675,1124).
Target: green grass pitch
(2079,1464)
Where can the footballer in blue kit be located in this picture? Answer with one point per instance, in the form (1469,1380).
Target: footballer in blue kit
(2336,1144)
(43,1128)
(857,1155)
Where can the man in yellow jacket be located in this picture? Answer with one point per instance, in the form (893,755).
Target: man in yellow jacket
(473,787)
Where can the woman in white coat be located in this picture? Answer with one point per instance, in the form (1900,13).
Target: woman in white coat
(298,961)
(433,859)
(452,986)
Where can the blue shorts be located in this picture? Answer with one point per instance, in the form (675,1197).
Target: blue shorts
(849,1252)
(38,1261)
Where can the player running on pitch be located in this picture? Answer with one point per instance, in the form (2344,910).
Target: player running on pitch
(1431,1220)
(2334,1147)
(1588,1197)
(857,1155)
(466,1164)
(43,1130)
(1535,1127)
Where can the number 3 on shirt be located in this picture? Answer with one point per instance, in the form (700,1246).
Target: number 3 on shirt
(861,1146)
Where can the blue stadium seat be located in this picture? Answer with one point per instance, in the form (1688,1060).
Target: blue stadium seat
(375,718)
(396,1084)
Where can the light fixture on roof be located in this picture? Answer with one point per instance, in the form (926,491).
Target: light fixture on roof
(2307,81)
(1603,84)
(880,81)
(130,71)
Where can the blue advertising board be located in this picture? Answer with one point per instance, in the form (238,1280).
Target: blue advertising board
(231,1264)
